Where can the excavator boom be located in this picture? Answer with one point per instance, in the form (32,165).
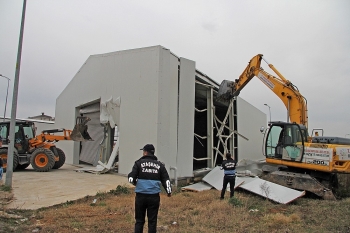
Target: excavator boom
(289,94)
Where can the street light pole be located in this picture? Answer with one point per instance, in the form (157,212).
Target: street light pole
(269,111)
(7,92)
(10,152)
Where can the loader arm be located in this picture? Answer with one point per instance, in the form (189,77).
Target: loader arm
(79,133)
(48,136)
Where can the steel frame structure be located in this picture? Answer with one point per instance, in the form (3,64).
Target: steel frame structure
(213,122)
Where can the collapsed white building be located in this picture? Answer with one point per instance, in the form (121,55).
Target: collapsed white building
(164,100)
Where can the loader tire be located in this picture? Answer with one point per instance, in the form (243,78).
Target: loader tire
(22,166)
(3,156)
(42,160)
(61,159)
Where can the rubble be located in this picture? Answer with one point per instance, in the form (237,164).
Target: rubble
(247,178)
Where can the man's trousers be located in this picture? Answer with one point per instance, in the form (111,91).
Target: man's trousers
(232,181)
(149,203)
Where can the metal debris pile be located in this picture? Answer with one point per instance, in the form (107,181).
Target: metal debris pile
(247,178)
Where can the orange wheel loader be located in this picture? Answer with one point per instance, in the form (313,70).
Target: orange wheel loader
(39,151)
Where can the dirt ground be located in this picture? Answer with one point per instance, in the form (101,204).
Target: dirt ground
(5,198)
(183,212)
(98,209)
(33,190)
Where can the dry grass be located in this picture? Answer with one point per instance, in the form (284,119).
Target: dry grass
(187,212)
(5,195)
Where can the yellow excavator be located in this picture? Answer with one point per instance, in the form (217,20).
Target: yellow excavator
(297,161)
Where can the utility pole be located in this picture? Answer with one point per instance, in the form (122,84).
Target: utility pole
(9,168)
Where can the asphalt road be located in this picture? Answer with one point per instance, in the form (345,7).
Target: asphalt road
(33,190)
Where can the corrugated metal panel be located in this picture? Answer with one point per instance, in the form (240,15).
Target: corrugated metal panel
(90,150)
(255,185)
(272,191)
(197,187)
(215,178)
(90,108)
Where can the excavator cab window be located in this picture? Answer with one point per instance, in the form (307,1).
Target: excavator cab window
(272,139)
(285,141)
(293,147)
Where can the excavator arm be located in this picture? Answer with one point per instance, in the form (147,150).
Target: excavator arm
(289,94)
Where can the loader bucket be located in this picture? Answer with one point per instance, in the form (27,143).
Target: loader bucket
(80,132)
(226,90)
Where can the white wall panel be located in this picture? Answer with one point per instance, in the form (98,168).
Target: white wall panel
(186,118)
(81,90)
(138,70)
(249,121)
(167,109)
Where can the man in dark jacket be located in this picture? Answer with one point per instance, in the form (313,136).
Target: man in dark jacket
(229,166)
(148,174)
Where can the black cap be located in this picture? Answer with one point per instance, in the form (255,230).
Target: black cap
(149,148)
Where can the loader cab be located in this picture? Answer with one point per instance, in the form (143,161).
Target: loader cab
(24,131)
(285,141)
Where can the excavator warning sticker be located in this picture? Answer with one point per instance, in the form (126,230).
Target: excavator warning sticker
(317,156)
(265,81)
(343,153)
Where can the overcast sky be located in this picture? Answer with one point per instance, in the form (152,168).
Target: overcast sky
(307,41)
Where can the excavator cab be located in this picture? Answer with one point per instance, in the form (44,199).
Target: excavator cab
(284,147)
(285,141)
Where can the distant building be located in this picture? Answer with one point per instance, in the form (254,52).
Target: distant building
(42,117)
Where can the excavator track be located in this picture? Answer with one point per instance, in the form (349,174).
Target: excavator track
(300,182)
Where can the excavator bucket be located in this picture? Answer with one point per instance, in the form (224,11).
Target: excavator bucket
(80,132)
(226,90)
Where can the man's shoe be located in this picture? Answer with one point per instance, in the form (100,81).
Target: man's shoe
(221,198)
